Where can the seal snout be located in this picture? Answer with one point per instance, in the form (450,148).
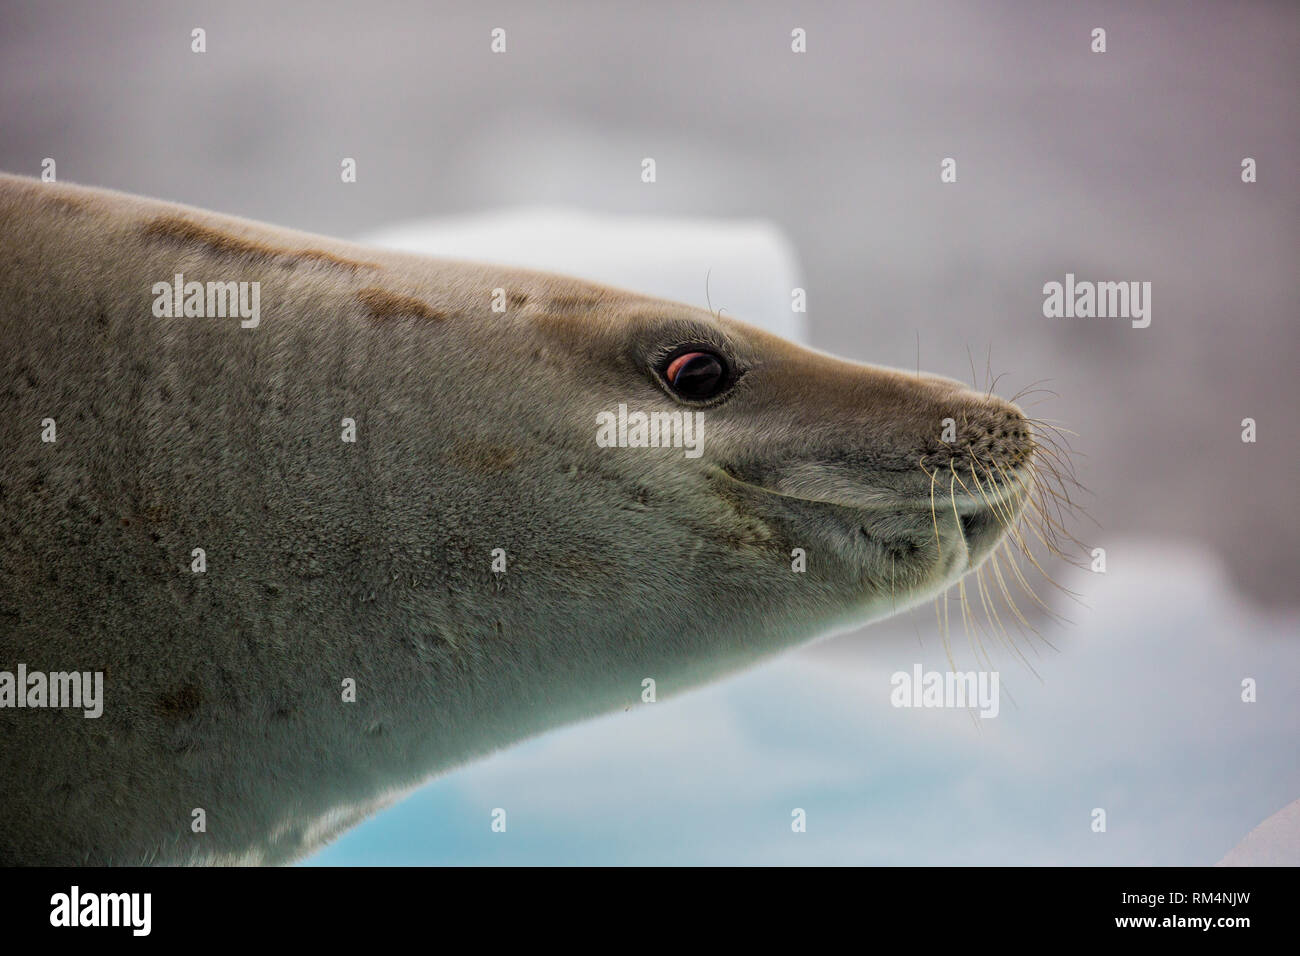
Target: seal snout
(931,450)
(973,433)
(981,467)
(978,465)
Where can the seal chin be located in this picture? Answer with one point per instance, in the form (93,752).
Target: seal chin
(985,519)
(981,530)
(908,547)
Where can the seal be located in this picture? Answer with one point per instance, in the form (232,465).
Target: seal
(361,516)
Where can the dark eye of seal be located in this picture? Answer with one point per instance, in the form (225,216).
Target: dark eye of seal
(696,376)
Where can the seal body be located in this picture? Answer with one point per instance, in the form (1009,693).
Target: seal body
(320,556)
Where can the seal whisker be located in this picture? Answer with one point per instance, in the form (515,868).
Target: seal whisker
(1028,589)
(1015,568)
(970,625)
(1033,388)
(1015,536)
(947,646)
(1006,591)
(934,516)
(1011,643)
(893,597)
(1054,527)
(1056,447)
(991,613)
(1033,559)
(1006,520)
(1056,462)
(938,618)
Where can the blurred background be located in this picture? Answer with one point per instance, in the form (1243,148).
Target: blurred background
(1117,166)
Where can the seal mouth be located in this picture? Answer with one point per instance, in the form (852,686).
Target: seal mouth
(942,535)
(981,530)
(977,524)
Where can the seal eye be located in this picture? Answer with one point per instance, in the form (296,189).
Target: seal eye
(696,376)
